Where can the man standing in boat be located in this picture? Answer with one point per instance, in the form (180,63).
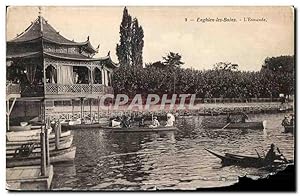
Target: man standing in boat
(272,156)
(285,121)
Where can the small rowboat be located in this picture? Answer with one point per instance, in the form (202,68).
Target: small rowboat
(288,129)
(12,138)
(81,126)
(20,128)
(35,158)
(16,144)
(28,133)
(139,129)
(245,161)
(237,125)
(10,150)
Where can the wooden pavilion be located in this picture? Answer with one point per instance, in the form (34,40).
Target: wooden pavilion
(45,66)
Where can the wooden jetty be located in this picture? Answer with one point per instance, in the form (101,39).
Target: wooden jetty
(32,171)
(28,178)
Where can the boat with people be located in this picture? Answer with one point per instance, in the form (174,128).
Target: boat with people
(65,143)
(124,125)
(288,123)
(57,156)
(288,129)
(250,161)
(234,121)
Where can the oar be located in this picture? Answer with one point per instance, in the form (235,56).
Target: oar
(285,159)
(257,153)
(226,125)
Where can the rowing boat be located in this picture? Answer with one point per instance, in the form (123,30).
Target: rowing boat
(237,125)
(82,126)
(12,138)
(20,128)
(288,129)
(35,158)
(66,143)
(244,161)
(29,133)
(16,144)
(140,129)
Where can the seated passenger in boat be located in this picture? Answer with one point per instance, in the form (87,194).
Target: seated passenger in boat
(292,120)
(116,122)
(170,120)
(244,118)
(155,123)
(271,155)
(124,122)
(142,122)
(228,119)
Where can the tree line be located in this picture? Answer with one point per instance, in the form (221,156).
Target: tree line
(167,76)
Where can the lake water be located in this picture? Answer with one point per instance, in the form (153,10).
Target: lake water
(174,160)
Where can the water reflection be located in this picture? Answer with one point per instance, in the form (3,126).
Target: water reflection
(168,160)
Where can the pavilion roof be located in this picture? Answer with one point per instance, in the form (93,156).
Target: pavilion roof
(40,28)
(80,57)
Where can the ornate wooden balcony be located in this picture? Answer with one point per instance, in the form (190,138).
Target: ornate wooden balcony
(77,89)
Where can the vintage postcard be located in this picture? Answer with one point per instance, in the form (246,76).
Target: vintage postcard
(149,98)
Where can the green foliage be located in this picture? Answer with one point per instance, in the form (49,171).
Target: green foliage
(172,60)
(282,70)
(227,66)
(216,83)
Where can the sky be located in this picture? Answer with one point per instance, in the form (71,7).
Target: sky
(201,44)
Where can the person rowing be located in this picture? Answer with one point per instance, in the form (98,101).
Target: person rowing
(271,155)
(170,120)
(155,123)
(244,117)
(285,121)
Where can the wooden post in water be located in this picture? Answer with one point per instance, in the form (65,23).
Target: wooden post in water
(98,109)
(57,136)
(81,100)
(43,152)
(47,146)
(90,102)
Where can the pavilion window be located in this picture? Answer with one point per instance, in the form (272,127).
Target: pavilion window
(108,78)
(81,75)
(51,75)
(97,76)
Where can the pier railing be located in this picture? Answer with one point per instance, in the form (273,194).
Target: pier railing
(56,89)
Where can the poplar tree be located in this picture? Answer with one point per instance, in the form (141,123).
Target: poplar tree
(130,48)
(137,44)
(123,49)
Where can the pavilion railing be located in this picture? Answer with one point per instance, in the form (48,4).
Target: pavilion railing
(54,89)
(13,89)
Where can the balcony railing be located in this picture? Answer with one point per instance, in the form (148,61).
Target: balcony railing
(13,89)
(63,89)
